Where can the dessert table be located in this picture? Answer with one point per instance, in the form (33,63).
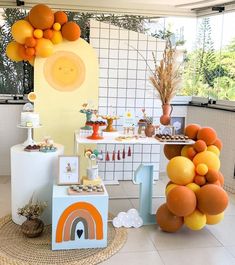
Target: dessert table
(32,174)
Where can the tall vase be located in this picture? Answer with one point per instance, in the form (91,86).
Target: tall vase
(167,109)
(166,114)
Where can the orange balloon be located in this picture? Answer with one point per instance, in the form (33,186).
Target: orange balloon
(30,51)
(211,199)
(167,221)
(71,31)
(207,134)
(191,153)
(218,143)
(12,51)
(41,17)
(30,42)
(44,48)
(60,17)
(48,34)
(212,175)
(21,30)
(172,150)
(191,131)
(200,180)
(181,201)
(199,146)
(23,54)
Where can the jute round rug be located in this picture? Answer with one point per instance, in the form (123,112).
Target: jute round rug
(16,249)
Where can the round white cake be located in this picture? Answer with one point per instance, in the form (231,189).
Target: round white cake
(30,119)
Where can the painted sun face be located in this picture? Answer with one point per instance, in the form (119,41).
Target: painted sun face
(64,71)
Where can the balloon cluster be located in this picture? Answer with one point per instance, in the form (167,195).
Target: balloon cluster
(36,34)
(194,196)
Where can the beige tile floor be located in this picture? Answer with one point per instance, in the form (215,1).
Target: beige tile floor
(214,245)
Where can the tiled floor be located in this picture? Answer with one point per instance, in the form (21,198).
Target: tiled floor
(148,245)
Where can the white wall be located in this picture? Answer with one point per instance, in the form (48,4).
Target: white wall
(9,134)
(224,124)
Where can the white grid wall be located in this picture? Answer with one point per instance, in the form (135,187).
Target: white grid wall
(125,85)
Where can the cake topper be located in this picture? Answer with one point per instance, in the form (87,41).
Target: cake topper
(28,107)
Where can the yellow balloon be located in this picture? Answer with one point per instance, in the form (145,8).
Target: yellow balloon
(195,220)
(181,170)
(57,26)
(184,150)
(214,149)
(214,219)
(57,37)
(209,158)
(38,33)
(202,169)
(169,188)
(12,51)
(21,30)
(193,186)
(44,47)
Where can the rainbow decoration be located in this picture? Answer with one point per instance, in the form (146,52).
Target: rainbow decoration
(79,212)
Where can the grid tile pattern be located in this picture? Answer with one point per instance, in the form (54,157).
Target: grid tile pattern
(125,59)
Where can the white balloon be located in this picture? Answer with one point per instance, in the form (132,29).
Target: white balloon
(133,211)
(116,222)
(121,215)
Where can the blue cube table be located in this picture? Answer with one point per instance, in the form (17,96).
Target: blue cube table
(79,221)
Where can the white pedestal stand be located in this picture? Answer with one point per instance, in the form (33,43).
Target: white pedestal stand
(29,140)
(33,173)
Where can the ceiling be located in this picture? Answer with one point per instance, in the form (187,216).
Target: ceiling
(141,7)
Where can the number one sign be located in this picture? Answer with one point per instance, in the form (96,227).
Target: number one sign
(144,177)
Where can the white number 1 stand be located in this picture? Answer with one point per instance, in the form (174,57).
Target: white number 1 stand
(29,140)
(144,177)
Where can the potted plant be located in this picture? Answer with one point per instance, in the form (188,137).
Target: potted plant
(165,78)
(33,226)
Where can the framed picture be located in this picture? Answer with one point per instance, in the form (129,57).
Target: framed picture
(68,170)
(168,129)
(178,123)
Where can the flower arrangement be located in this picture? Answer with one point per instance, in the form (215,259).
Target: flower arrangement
(32,210)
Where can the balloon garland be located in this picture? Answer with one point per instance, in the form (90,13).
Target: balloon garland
(194,195)
(35,35)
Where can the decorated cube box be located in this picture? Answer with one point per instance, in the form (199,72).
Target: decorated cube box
(79,221)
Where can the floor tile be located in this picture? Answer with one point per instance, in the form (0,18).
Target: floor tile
(184,238)
(138,241)
(224,231)
(197,256)
(135,258)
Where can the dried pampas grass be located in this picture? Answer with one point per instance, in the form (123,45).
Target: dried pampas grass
(166,76)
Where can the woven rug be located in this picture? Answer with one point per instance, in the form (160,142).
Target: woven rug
(16,249)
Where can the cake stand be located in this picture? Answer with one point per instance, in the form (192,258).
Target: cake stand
(29,140)
(95,135)
(110,120)
(88,113)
